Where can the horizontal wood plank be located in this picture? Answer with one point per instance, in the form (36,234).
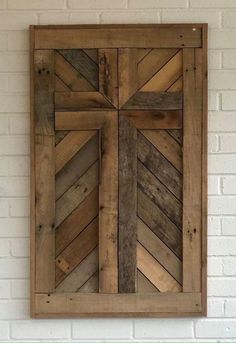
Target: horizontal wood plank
(76,100)
(155,101)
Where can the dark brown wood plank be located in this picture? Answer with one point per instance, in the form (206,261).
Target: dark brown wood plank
(177,135)
(59,135)
(91,286)
(160,195)
(157,221)
(154,119)
(83,63)
(155,100)
(76,100)
(108,83)
(159,166)
(43,91)
(127,206)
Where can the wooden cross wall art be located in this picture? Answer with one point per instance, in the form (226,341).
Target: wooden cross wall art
(118,146)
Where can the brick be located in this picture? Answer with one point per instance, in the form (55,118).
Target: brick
(11,187)
(214,226)
(215,308)
(20,289)
(19,207)
(228,142)
(215,266)
(4,330)
(51,18)
(165,328)
(157,3)
(230,308)
(84,18)
(222,121)
(3,124)
(229,226)
(221,287)
(20,247)
(222,205)
(4,208)
(229,266)
(3,166)
(17,21)
(213,185)
(229,19)
(97,4)
(19,165)
(225,164)
(221,246)
(3,4)
(19,125)
(14,103)
(213,143)
(14,309)
(214,60)
(3,83)
(213,100)
(14,62)
(102,329)
(4,290)
(215,328)
(192,16)
(12,227)
(14,268)
(129,17)
(229,185)
(229,100)
(3,41)
(18,83)
(222,39)
(41,329)
(4,248)
(212,3)
(36,4)
(229,59)
(14,145)
(222,79)
(18,41)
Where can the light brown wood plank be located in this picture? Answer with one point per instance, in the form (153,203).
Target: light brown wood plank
(155,272)
(142,53)
(166,76)
(192,170)
(77,100)
(144,285)
(152,63)
(108,207)
(154,119)
(80,247)
(80,274)
(59,135)
(43,92)
(167,146)
(156,220)
(60,86)
(76,194)
(45,213)
(70,145)
(77,221)
(127,59)
(127,206)
(160,251)
(177,135)
(91,286)
(170,36)
(108,83)
(177,86)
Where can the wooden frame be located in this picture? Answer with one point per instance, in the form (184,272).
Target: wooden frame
(192,39)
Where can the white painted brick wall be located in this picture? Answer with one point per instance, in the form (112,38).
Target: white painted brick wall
(15,17)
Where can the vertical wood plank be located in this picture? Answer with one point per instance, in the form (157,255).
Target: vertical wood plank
(108,206)
(108,83)
(192,169)
(127,205)
(44,170)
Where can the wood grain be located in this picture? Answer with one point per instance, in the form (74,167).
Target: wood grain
(77,100)
(155,101)
(144,285)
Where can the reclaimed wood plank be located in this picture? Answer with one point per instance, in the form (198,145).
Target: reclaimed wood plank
(127,206)
(144,285)
(91,286)
(76,100)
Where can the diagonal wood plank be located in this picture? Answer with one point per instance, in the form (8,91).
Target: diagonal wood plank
(77,100)
(155,272)
(77,221)
(160,251)
(82,63)
(144,285)
(77,166)
(159,166)
(70,76)
(59,135)
(70,145)
(60,86)
(80,247)
(91,286)
(93,54)
(142,53)
(177,135)
(167,146)
(152,63)
(160,195)
(76,193)
(80,274)
(157,221)
(155,100)
(177,86)
(166,76)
